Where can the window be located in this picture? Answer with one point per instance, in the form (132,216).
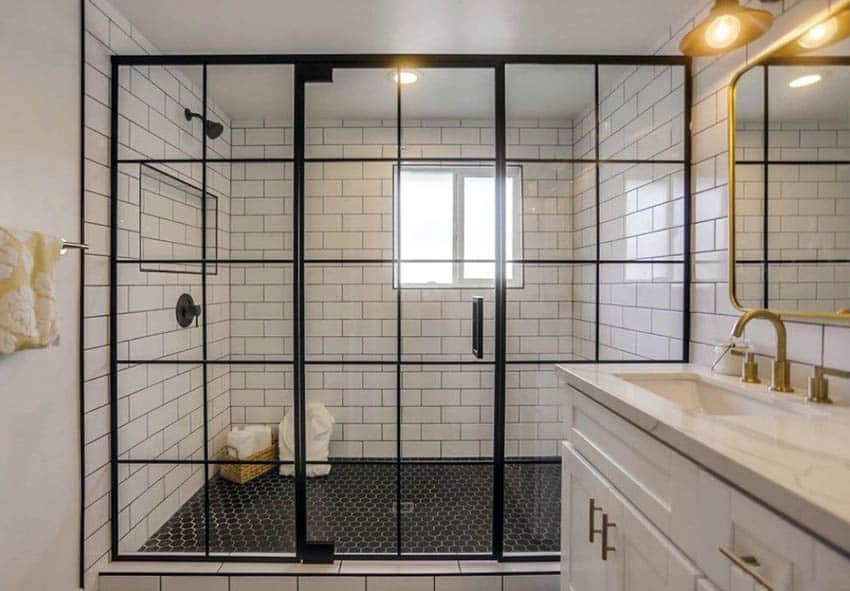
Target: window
(447,220)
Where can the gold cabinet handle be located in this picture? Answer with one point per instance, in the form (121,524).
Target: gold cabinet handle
(605,525)
(591,511)
(746,564)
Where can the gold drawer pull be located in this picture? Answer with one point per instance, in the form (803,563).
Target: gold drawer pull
(605,525)
(746,564)
(592,509)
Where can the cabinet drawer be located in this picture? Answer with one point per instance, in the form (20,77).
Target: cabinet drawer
(787,557)
(641,558)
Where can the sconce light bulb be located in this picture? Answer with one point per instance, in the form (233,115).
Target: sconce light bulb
(723,31)
(820,34)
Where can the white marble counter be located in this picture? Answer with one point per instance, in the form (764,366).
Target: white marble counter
(797,464)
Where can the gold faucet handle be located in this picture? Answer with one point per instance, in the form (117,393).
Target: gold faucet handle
(750,369)
(819,385)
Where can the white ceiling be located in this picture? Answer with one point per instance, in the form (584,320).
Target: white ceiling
(403,26)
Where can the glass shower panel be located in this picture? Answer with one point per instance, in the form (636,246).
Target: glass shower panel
(551,112)
(160,410)
(151,112)
(249,111)
(641,211)
(147,327)
(353,117)
(362,401)
(161,509)
(351,499)
(446,508)
(449,113)
(249,312)
(252,519)
(256,516)
(640,311)
(447,412)
(351,312)
(545,311)
(532,518)
(260,212)
(642,112)
(348,210)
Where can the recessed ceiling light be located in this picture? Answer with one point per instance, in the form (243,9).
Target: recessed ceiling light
(806,80)
(405,77)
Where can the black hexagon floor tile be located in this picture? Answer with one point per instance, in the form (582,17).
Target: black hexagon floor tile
(446,508)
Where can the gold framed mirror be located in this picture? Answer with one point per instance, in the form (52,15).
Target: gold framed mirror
(789,174)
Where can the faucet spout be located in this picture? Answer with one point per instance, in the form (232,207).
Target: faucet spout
(781,368)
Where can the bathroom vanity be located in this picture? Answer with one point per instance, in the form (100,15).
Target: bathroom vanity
(675,478)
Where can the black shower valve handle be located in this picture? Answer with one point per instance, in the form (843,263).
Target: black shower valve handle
(186,310)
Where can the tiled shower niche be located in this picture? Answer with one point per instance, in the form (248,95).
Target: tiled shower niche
(397,211)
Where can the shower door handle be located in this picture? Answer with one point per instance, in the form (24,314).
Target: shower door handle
(478,326)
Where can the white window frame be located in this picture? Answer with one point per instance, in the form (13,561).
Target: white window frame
(461,172)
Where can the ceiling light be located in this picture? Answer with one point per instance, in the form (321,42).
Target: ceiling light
(727,26)
(405,77)
(806,80)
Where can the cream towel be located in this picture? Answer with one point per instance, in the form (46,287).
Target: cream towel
(27,290)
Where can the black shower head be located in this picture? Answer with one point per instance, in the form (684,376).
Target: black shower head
(213,129)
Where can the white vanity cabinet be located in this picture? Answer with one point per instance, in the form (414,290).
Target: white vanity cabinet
(671,519)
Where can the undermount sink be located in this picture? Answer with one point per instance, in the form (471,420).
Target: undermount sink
(695,393)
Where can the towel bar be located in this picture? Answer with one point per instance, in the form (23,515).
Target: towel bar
(77,245)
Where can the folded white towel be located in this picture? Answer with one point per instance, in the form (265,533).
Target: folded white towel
(262,436)
(241,441)
(27,290)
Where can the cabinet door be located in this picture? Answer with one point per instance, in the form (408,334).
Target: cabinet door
(582,568)
(641,557)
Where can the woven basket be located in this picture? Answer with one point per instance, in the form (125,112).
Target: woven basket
(242,473)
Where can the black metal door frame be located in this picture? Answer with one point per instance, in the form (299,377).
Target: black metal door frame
(312,68)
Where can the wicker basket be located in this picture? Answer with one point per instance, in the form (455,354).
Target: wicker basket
(242,473)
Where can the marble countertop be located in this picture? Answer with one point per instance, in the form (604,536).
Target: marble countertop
(798,464)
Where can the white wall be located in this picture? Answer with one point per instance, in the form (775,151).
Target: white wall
(39,391)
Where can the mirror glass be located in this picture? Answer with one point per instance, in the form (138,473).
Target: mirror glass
(791,194)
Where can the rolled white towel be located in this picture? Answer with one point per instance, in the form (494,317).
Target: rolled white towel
(262,436)
(243,442)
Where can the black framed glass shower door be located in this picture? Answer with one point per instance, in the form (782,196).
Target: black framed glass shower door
(399,278)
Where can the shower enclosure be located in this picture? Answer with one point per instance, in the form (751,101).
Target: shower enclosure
(415,257)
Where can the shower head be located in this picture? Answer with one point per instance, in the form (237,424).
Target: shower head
(213,129)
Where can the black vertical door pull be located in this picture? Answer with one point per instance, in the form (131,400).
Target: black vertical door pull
(478,326)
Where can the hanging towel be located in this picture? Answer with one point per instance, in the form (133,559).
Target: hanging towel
(320,426)
(27,290)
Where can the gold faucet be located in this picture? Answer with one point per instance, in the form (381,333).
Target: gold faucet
(781,381)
